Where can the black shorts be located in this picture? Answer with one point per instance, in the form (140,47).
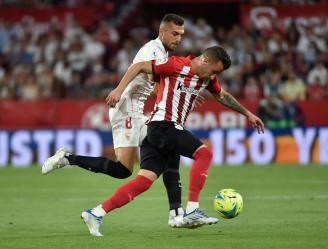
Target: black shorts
(162,142)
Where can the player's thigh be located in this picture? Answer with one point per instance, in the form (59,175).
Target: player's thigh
(127,156)
(126,132)
(186,143)
(152,158)
(162,136)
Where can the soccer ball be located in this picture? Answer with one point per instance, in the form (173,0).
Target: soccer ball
(228,203)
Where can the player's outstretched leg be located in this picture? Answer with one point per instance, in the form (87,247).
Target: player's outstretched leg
(95,164)
(57,161)
(123,195)
(100,165)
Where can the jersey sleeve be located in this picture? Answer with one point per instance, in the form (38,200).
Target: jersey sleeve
(150,51)
(147,53)
(214,86)
(164,66)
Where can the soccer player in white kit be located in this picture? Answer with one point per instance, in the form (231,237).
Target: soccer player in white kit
(128,124)
(127,118)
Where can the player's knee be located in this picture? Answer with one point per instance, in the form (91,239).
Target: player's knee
(122,171)
(124,174)
(115,169)
(150,175)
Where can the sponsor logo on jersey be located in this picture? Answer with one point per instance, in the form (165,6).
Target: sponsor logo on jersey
(182,88)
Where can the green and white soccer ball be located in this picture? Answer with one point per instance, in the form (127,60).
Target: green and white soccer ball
(228,203)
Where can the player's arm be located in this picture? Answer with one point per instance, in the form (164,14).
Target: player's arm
(140,67)
(226,99)
(153,80)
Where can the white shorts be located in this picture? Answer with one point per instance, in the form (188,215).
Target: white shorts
(129,131)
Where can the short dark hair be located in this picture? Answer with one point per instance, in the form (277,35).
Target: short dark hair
(176,19)
(218,53)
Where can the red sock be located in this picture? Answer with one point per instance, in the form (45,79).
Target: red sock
(127,192)
(198,172)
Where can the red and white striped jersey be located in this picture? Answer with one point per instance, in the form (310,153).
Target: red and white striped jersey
(178,89)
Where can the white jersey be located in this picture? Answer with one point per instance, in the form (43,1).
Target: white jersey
(134,96)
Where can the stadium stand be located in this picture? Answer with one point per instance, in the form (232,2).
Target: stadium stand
(54,50)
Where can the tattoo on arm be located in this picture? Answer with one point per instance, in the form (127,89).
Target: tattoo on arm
(229,101)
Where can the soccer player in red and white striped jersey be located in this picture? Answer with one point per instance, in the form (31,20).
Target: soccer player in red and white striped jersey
(181,80)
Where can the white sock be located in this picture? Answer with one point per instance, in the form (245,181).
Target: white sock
(191,206)
(98,211)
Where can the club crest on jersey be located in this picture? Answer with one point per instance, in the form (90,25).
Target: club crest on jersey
(161,61)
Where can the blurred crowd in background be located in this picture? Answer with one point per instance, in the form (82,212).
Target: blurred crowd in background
(55,61)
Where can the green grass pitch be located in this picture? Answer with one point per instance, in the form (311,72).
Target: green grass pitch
(284,207)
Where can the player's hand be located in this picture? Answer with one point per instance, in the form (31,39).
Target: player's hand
(200,100)
(113,97)
(256,123)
